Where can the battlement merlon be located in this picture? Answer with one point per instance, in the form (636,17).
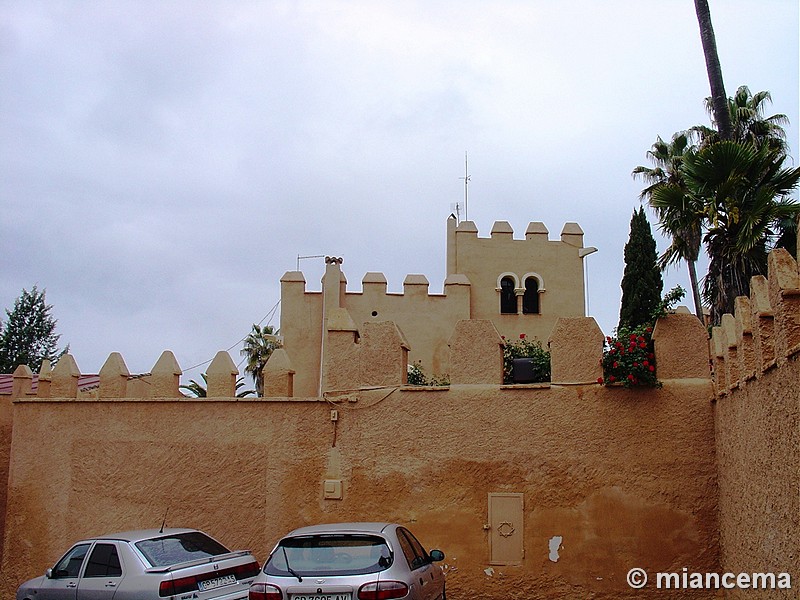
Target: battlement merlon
(536,234)
(764,332)
(571,233)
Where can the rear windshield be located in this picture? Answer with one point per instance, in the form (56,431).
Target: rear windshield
(178,548)
(322,555)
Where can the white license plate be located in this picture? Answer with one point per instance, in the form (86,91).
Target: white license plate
(213,584)
(321,596)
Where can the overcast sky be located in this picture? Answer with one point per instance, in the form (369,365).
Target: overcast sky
(163,163)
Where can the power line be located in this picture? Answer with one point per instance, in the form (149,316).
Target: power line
(269,315)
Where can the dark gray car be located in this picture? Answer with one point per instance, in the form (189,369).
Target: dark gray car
(350,561)
(146,565)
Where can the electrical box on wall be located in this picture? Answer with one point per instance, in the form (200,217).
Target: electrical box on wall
(332,489)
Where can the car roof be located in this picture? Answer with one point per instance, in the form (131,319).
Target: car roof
(332,528)
(138,535)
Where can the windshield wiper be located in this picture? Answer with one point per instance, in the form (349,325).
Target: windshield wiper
(290,569)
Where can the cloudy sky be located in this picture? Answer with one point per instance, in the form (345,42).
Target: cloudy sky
(163,163)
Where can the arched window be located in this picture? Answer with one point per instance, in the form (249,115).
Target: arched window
(508,298)
(530,301)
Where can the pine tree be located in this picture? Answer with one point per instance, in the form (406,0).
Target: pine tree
(28,335)
(641,281)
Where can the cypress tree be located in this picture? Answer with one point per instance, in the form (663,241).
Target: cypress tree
(641,281)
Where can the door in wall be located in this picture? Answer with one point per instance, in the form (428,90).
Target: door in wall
(505,529)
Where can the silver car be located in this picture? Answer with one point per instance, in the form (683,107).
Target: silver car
(153,564)
(350,561)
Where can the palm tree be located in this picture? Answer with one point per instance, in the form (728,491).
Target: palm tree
(200,390)
(680,215)
(718,97)
(745,191)
(258,346)
(748,123)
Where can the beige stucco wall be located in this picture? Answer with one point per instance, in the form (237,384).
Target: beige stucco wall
(757,421)
(626,479)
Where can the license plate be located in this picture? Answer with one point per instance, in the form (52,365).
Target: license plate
(213,584)
(321,597)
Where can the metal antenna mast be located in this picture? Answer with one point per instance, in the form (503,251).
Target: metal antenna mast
(466,183)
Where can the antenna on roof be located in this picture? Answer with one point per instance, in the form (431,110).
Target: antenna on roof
(466,183)
(164,521)
(299,258)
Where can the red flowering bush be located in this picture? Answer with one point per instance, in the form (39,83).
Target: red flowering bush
(628,358)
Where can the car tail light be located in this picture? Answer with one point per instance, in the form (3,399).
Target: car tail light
(172,587)
(382,590)
(251,569)
(264,591)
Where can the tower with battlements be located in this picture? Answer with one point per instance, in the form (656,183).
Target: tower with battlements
(522,286)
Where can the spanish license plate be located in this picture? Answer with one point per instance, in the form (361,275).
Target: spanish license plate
(347,596)
(212,584)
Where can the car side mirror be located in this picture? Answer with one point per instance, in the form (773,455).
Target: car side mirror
(49,573)
(437,555)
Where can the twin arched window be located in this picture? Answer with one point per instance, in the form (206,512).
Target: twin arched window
(510,291)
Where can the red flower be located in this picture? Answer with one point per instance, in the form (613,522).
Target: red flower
(642,345)
(616,364)
(630,377)
(522,336)
(652,368)
(633,337)
(599,380)
(612,378)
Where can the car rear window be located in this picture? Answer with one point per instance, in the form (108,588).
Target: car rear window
(178,548)
(329,555)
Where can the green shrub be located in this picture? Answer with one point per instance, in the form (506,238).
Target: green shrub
(416,376)
(524,348)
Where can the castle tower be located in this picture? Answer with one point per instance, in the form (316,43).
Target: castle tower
(522,285)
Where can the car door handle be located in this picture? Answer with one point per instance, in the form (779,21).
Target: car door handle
(111,584)
(72,584)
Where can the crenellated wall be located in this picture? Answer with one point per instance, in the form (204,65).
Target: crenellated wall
(425,319)
(756,359)
(623,477)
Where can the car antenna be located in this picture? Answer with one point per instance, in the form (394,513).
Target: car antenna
(164,521)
